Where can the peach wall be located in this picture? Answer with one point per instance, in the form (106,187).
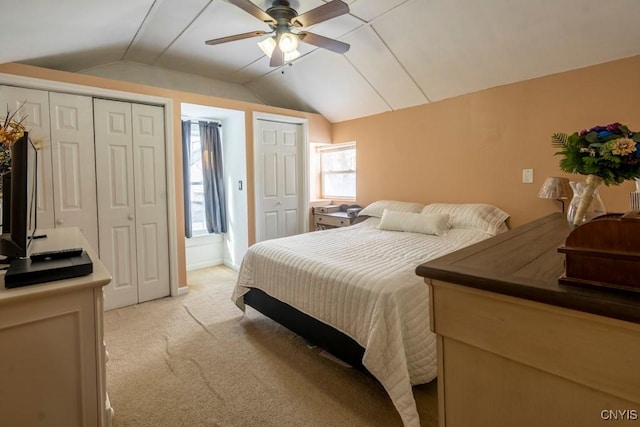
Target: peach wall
(473,148)
(467,149)
(318,127)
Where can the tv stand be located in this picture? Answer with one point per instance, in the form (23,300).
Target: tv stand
(53,358)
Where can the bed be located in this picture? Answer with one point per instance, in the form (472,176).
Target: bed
(354,290)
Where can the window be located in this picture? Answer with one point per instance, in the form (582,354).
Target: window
(338,171)
(198,224)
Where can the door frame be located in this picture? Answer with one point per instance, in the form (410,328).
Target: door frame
(303,203)
(118,95)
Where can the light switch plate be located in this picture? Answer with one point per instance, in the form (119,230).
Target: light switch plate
(527,176)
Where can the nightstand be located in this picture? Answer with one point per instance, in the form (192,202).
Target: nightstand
(333,216)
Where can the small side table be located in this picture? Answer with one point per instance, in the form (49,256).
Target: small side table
(333,216)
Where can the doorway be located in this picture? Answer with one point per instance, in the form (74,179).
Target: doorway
(281,179)
(228,248)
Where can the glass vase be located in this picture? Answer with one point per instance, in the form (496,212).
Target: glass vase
(594,209)
(635,196)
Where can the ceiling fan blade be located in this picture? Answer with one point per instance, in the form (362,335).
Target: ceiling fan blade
(321,13)
(236,37)
(254,10)
(277,57)
(324,42)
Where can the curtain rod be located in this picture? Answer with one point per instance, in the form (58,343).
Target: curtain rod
(202,119)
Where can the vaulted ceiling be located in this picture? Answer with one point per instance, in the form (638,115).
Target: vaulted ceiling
(403,52)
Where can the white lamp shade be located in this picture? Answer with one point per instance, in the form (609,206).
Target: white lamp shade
(555,187)
(269,44)
(288,42)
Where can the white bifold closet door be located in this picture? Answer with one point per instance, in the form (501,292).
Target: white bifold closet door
(73,164)
(61,125)
(33,106)
(132,201)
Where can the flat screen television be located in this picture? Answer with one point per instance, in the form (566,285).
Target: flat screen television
(19,200)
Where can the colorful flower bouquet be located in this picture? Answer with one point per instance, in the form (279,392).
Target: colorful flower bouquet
(11,129)
(605,154)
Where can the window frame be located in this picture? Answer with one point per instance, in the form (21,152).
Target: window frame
(332,148)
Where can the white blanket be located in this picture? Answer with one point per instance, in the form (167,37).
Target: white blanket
(362,281)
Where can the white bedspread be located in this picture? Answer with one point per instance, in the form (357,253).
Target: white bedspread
(362,281)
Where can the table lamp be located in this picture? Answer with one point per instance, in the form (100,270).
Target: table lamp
(556,187)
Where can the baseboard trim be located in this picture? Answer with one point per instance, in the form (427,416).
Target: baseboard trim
(205,264)
(232,266)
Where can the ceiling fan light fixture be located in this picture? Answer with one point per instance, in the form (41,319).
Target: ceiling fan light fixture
(281,18)
(288,42)
(269,44)
(290,56)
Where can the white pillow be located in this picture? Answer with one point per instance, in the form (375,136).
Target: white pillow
(414,222)
(377,208)
(483,217)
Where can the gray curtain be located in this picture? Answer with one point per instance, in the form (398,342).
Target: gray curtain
(186,175)
(214,198)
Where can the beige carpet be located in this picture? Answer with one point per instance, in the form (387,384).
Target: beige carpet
(195,360)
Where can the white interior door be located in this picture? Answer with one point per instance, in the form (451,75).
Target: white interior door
(34,107)
(116,206)
(150,202)
(279,179)
(73,163)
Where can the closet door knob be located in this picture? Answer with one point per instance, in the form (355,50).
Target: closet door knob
(60,221)
(131,217)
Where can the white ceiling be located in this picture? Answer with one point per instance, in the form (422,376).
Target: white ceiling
(403,52)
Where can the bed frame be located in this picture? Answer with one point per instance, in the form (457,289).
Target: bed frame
(335,342)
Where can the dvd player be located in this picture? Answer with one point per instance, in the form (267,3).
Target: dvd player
(25,271)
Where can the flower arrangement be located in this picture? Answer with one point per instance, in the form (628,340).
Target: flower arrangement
(610,152)
(11,129)
(605,154)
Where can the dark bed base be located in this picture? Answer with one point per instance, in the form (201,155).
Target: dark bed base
(319,333)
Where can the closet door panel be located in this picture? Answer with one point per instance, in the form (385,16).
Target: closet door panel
(33,106)
(116,208)
(151,202)
(73,162)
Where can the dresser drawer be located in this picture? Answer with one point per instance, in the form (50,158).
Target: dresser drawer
(336,221)
(326,209)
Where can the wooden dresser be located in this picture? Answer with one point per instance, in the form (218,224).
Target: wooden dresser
(517,348)
(52,353)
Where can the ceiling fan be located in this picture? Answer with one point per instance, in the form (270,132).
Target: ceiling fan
(282,19)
